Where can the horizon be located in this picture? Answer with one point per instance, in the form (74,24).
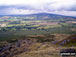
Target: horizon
(36,14)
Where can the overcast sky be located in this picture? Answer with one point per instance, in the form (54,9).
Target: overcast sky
(63,7)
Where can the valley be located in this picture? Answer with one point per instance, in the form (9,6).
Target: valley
(36,35)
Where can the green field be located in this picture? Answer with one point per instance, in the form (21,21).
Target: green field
(16,27)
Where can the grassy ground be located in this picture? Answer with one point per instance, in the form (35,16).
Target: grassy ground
(38,45)
(23,33)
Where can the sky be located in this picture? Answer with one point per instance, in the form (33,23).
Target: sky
(62,7)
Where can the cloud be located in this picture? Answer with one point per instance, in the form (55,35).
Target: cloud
(22,2)
(36,6)
(16,11)
(66,13)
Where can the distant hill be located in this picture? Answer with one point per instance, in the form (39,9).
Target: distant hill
(48,16)
(44,16)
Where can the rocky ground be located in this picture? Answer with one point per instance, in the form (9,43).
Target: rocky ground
(38,46)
